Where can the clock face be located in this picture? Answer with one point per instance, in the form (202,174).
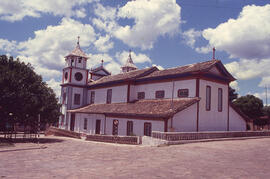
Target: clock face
(66,75)
(78,76)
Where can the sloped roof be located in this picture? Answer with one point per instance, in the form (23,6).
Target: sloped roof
(77,52)
(191,69)
(151,108)
(123,76)
(95,70)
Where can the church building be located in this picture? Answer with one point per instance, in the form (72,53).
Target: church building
(188,98)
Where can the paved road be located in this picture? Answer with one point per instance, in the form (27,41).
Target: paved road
(73,158)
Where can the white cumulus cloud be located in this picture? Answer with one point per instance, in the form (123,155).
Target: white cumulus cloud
(103,44)
(190,36)
(95,59)
(137,58)
(234,85)
(55,85)
(246,37)
(15,10)
(152,19)
(113,67)
(49,46)
(249,69)
(47,49)
(8,46)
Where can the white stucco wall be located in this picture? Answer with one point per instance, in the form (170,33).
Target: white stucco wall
(133,94)
(91,123)
(186,120)
(213,120)
(151,88)
(67,70)
(138,126)
(236,122)
(79,65)
(84,74)
(76,62)
(77,91)
(119,94)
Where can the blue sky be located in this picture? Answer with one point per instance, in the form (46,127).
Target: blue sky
(166,33)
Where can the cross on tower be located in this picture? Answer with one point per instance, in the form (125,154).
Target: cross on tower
(214,51)
(78,40)
(130,53)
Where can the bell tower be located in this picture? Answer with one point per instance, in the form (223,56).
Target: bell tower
(74,82)
(75,71)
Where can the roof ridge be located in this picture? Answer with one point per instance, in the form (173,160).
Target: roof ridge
(121,74)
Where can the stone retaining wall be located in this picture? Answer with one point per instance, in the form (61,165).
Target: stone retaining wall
(177,136)
(61,132)
(135,140)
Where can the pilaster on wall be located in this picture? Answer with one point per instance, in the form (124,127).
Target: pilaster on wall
(128,93)
(69,97)
(228,121)
(84,99)
(198,103)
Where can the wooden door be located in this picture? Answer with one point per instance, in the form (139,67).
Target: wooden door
(98,122)
(147,128)
(72,122)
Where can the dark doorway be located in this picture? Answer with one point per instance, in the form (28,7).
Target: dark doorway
(115,127)
(147,128)
(98,122)
(72,122)
(129,128)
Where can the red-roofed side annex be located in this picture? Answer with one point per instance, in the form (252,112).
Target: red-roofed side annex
(136,101)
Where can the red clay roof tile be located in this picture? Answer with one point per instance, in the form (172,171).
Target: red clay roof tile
(151,108)
(124,76)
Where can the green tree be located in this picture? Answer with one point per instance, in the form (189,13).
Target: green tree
(23,95)
(250,105)
(232,94)
(266,111)
(265,119)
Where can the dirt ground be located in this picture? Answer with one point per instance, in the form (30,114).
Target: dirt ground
(59,157)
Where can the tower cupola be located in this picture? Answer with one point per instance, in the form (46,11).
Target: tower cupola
(129,66)
(76,58)
(75,71)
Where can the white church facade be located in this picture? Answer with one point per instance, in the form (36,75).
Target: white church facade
(188,98)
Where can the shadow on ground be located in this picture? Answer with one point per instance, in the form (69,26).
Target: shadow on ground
(9,142)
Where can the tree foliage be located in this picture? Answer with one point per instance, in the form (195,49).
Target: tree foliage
(265,119)
(250,105)
(23,94)
(266,111)
(232,94)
